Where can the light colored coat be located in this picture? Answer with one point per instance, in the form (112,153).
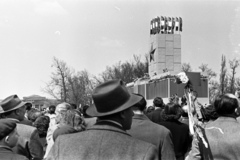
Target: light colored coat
(103,141)
(29,143)
(223,137)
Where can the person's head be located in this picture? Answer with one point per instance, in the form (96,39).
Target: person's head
(61,110)
(52,109)
(112,101)
(13,107)
(28,106)
(172,111)
(8,133)
(149,109)
(226,104)
(73,118)
(84,109)
(74,106)
(158,102)
(42,124)
(33,114)
(209,113)
(141,105)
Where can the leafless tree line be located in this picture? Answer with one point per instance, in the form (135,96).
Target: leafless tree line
(68,85)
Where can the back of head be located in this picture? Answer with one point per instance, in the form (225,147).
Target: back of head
(158,102)
(226,104)
(84,109)
(209,113)
(33,114)
(63,107)
(141,105)
(28,106)
(42,124)
(150,109)
(52,109)
(61,110)
(74,119)
(172,111)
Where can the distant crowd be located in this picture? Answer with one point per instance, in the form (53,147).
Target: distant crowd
(119,125)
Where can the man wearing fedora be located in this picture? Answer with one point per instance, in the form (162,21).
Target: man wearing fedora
(107,139)
(28,142)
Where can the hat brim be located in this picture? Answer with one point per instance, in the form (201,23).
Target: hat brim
(92,110)
(18,106)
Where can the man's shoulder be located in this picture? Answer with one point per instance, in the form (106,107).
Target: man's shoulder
(11,155)
(23,128)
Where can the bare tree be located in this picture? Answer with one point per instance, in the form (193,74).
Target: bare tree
(211,74)
(127,71)
(186,67)
(233,65)
(223,76)
(80,88)
(213,85)
(57,87)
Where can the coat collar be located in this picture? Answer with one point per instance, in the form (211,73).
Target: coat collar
(109,126)
(224,119)
(5,149)
(140,116)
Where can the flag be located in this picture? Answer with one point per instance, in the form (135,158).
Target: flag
(180,19)
(151,52)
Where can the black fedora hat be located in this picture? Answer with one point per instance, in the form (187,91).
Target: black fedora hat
(11,103)
(111,97)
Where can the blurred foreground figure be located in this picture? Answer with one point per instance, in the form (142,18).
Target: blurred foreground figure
(222,135)
(8,140)
(28,142)
(107,139)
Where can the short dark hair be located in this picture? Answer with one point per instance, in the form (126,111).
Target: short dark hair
(226,104)
(141,105)
(172,111)
(158,102)
(28,106)
(84,109)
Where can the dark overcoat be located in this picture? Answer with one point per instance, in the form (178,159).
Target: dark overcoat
(144,129)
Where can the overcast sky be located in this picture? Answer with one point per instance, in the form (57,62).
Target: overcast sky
(93,34)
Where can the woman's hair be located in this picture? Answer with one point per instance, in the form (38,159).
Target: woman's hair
(42,124)
(209,113)
(172,111)
(33,114)
(73,118)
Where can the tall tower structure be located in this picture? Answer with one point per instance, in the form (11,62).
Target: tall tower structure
(165,46)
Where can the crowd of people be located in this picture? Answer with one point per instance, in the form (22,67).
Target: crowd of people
(120,126)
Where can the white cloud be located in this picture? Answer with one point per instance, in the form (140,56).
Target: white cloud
(106,42)
(46,8)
